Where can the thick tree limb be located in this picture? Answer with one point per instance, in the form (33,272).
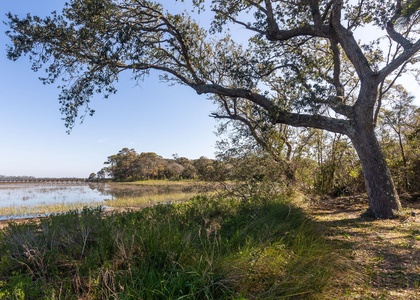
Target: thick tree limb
(278,115)
(397,37)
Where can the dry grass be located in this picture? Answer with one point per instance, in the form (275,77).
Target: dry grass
(148,200)
(163,182)
(156,191)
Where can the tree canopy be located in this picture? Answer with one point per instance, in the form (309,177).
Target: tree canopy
(128,165)
(301,66)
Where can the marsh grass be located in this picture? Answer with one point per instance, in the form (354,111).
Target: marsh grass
(157,187)
(164,182)
(16,211)
(146,200)
(205,248)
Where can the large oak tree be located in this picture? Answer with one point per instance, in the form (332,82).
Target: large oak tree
(302,65)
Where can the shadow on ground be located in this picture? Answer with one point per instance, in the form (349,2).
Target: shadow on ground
(386,253)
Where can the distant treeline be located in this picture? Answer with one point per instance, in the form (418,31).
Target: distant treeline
(4,178)
(128,165)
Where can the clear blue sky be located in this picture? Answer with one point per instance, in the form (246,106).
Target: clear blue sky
(152,117)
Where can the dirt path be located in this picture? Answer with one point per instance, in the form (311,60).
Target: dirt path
(385,253)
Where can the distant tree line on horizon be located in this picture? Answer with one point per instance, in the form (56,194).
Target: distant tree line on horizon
(34,178)
(128,165)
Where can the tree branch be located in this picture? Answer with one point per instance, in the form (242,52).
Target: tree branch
(347,41)
(247,26)
(397,37)
(278,115)
(399,61)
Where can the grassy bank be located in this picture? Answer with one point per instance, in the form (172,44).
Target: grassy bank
(206,248)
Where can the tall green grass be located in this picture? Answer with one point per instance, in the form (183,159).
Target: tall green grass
(206,248)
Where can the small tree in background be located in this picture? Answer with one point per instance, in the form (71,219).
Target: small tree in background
(397,130)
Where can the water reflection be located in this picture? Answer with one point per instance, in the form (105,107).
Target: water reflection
(32,194)
(42,193)
(122,190)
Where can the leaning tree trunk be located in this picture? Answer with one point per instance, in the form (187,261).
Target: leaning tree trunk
(384,202)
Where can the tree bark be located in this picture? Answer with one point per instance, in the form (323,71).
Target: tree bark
(384,202)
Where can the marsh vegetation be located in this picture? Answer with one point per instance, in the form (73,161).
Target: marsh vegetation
(25,200)
(257,238)
(206,248)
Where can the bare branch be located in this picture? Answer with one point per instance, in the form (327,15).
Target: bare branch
(234,20)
